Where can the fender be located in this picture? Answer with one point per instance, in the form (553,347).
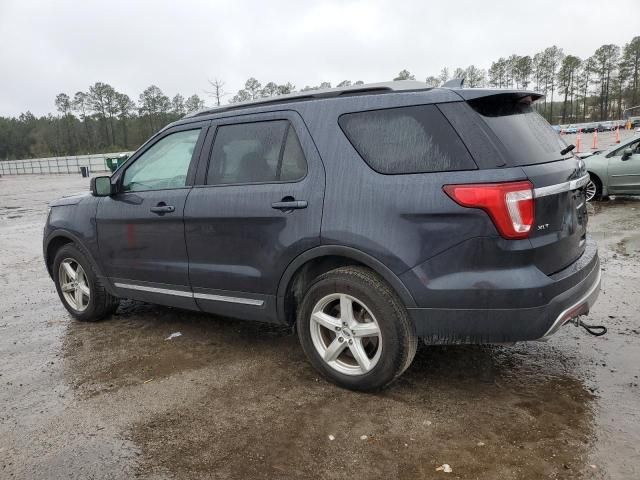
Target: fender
(348,252)
(61,232)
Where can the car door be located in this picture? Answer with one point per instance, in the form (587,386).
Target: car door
(257,205)
(624,175)
(141,228)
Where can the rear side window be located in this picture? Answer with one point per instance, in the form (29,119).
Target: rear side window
(406,140)
(527,137)
(256,152)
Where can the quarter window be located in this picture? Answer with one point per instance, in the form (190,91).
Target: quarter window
(164,165)
(256,152)
(406,140)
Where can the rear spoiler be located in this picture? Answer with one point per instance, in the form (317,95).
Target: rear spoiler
(456,85)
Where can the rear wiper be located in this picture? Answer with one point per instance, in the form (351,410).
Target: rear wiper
(567,150)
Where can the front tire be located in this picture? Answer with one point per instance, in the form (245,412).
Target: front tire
(355,330)
(81,291)
(593,190)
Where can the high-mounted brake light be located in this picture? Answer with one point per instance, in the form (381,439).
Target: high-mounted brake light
(510,205)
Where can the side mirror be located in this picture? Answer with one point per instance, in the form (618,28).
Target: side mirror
(101,186)
(627,153)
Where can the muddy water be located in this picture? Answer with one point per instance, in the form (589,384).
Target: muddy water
(231,399)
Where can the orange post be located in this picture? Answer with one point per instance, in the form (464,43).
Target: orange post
(618,134)
(578,141)
(595,140)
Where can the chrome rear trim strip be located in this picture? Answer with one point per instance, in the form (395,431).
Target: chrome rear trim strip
(561,187)
(588,299)
(182,293)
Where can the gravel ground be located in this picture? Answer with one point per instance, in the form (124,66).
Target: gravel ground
(232,399)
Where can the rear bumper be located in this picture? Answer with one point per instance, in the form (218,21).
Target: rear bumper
(574,291)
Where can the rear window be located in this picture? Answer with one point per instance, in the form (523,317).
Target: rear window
(527,137)
(406,140)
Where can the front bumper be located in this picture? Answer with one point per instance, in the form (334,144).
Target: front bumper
(575,291)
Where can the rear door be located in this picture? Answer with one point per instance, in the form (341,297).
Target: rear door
(141,229)
(624,175)
(257,205)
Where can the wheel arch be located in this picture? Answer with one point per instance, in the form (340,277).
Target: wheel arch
(56,240)
(312,263)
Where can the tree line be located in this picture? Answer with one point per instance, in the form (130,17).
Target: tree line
(597,88)
(96,121)
(600,87)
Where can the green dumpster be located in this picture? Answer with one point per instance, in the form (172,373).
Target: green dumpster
(114,162)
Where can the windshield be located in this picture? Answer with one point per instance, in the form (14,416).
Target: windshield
(527,137)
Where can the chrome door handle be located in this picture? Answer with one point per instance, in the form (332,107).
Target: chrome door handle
(290,205)
(162,209)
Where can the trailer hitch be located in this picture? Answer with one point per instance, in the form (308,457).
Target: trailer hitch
(595,330)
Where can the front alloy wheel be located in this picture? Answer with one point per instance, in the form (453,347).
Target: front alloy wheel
(74,284)
(82,292)
(590,190)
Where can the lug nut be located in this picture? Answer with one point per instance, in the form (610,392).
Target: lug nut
(340,339)
(350,342)
(344,324)
(337,329)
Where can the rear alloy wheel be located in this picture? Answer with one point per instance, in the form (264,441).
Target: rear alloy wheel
(346,334)
(355,330)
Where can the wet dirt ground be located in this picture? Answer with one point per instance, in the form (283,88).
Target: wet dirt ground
(232,399)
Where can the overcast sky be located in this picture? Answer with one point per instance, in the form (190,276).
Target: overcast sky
(48,47)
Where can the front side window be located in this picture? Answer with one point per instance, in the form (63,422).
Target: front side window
(164,165)
(256,152)
(406,140)
(634,146)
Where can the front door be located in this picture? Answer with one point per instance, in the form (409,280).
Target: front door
(141,228)
(258,206)
(624,175)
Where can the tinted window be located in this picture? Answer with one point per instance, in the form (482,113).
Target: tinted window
(527,137)
(255,153)
(163,165)
(406,140)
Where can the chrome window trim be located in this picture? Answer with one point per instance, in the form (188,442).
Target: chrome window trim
(561,187)
(183,293)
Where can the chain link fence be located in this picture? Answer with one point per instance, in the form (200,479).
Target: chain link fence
(57,165)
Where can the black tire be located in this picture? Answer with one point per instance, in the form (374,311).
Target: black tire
(100,304)
(598,184)
(398,338)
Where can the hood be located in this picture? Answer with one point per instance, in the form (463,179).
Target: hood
(72,199)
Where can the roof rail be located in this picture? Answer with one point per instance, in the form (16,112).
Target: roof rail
(365,89)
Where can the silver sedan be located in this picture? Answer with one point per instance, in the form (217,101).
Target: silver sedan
(615,171)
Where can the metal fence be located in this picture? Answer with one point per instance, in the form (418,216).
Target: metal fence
(57,165)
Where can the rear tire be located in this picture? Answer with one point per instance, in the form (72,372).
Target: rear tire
(80,289)
(355,330)
(593,188)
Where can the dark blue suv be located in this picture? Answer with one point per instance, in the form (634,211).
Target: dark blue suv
(367,217)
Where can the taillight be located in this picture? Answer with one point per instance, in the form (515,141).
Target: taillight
(510,205)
